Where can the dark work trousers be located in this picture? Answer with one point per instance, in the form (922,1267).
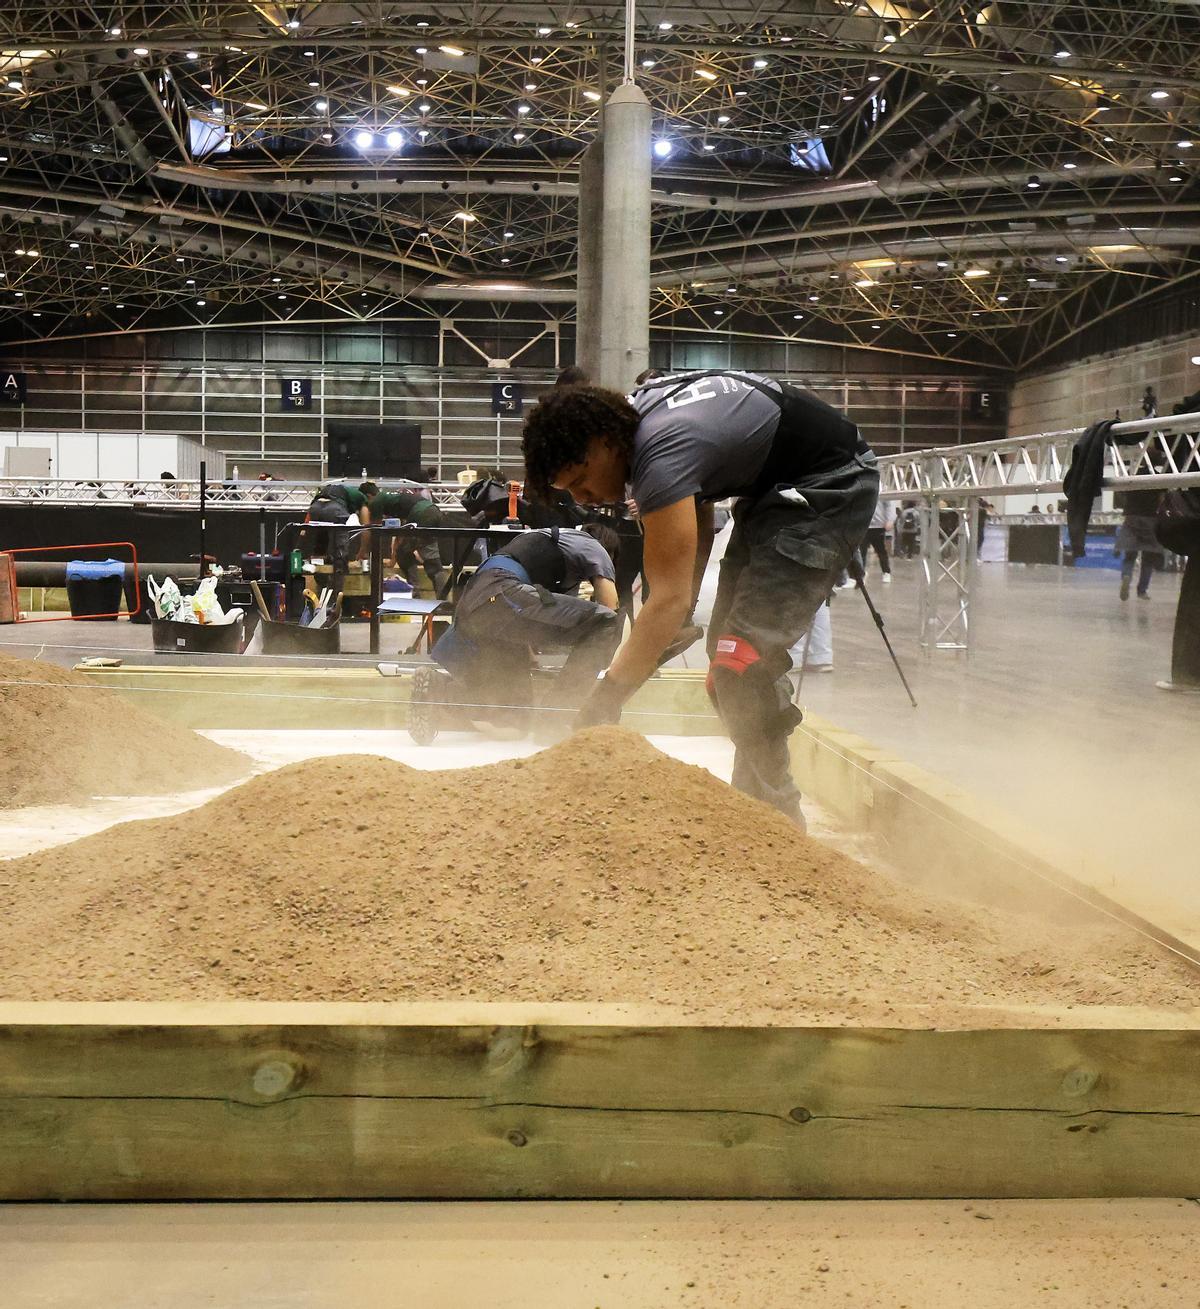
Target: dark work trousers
(1185,651)
(785,553)
(341,546)
(1150,561)
(877,541)
(629,563)
(429,550)
(507,620)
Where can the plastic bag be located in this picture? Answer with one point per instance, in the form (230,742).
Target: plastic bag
(205,605)
(166,598)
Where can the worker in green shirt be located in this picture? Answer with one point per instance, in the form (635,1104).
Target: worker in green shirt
(412,504)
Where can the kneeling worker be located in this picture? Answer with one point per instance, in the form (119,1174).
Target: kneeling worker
(806,485)
(523,600)
(338,503)
(413,505)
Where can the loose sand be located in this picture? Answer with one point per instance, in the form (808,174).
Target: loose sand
(64,739)
(598,870)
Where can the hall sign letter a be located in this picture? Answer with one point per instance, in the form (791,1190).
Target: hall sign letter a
(12,388)
(296,393)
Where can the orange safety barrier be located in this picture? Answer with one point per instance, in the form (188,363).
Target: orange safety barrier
(82,545)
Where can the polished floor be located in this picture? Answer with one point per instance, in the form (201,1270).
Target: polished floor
(1054,715)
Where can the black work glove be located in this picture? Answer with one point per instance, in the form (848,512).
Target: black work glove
(602,706)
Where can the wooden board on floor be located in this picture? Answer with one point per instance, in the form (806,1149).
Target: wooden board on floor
(150,1102)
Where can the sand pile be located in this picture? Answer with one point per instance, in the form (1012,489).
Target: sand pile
(597,870)
(62,739)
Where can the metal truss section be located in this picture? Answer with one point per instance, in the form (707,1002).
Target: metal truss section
(949,482)
(947,567)
(1158,452)
(969,184)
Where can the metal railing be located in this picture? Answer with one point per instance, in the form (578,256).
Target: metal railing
(185,494)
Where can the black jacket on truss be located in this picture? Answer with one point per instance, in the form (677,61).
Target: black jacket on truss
(1083,481)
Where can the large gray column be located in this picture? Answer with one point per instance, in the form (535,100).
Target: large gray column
(625,289)
(590,262)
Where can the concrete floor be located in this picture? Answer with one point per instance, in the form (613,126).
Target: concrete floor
(1096,1254)
(1054,715)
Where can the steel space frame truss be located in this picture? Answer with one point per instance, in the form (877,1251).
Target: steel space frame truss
(1154,453)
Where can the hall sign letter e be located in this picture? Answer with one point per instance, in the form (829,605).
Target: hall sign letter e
(296,393)
(506,398)
(12,388)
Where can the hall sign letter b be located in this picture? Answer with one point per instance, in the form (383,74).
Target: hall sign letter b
(296,393)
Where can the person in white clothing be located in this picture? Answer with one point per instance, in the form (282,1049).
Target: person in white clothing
(882,522)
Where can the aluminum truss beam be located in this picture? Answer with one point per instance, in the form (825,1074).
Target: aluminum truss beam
(949,482)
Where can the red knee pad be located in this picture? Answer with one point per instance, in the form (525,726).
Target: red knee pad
(734,653)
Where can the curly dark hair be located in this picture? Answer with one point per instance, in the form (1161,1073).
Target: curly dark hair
(564,423)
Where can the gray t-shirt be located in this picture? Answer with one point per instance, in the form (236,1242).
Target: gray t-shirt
(586,558)
(710,439)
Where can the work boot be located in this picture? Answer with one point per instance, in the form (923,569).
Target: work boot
(1124,588)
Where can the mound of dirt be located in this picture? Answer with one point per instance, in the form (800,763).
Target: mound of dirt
(63,739)
(598,870)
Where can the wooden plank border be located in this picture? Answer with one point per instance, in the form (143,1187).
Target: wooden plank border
(153,1102)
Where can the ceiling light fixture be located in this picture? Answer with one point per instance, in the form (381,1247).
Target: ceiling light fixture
(320,105)
(395,140)
(662,149)
(293,24)
(1003,299)
(1184,145)
(797,318)
(591,95)
(722,118)
(864,282)
(424,107)
(141,51)
(649,63)
(192,54)
(665,26)
(114,31)
(874,78)
(518,136)
(707,74)
(760,63)
(465,216)
(399,90)
(976,272)
(1070,165)
(1062,54)
(452,50)
(709,146)
(890,38)
(364,140)
(1159,95)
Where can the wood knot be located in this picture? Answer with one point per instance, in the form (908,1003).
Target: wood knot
(799,1114)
